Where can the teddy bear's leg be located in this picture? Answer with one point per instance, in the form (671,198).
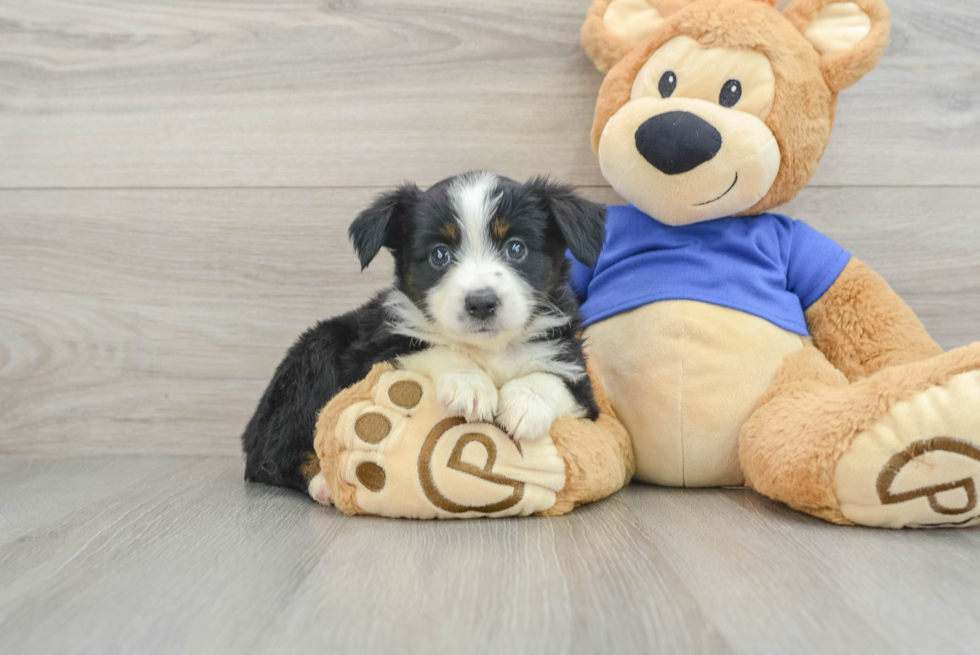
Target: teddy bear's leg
(899,448)
(388,447)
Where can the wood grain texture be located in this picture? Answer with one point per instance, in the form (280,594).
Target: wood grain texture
(150,321)
(176,180)
(179,555)
(181,93)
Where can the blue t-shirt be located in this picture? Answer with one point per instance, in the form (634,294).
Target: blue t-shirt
(768,265)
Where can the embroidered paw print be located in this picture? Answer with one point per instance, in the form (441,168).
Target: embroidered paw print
(919,464)
(406,455)
(948,486)
(375,425)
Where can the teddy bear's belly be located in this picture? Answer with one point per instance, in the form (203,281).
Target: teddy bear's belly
(683,377)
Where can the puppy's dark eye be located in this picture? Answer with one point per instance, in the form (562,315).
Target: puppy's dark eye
(668,82)
(515,250)
(730,93)
(440,257)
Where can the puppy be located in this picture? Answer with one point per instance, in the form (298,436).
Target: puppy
(480,304)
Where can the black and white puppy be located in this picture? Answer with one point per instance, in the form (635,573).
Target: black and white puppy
(480,304)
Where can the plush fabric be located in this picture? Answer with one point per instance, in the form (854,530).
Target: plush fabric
(769,265)
(809,417)
(683,377)
(701,73)
(892,476)
(702,376)
(387,447)
(607,41)
(870,422)
(842,70)
(598,455)
(401,453)
(739,158)
(862,326)
(807,84)
(803,108)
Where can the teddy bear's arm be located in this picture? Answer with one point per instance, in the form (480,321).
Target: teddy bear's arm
(862,326)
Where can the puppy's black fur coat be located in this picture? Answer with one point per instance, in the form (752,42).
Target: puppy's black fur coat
(336,353)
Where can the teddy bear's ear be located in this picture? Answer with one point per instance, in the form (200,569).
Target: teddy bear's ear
(849,35)
(614,27)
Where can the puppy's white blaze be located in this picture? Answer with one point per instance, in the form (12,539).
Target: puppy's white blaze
(478,265)
(473,202)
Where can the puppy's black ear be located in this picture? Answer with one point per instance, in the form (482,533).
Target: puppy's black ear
(581,222)
(382,223)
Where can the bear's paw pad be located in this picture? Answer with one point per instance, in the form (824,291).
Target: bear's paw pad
(919,465)
(407,456)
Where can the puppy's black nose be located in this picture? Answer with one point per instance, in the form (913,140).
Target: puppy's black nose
(677,142)
(482,304)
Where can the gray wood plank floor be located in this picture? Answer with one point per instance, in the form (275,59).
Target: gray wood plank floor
(176,554)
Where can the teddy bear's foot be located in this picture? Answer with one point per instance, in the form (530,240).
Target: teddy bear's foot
(919,465)
(403,454)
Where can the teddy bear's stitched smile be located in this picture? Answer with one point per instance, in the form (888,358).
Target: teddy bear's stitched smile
(734,182)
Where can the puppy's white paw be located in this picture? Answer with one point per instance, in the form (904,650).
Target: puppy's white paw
(470,395)
(319,491)
(528,407)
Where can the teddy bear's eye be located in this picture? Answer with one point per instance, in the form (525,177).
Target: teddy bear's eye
(668,82)
(730,93)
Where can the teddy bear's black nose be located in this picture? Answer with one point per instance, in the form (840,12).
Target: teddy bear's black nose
(677,141)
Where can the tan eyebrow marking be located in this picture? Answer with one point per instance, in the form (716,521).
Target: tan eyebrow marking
(500,227)
(450,231)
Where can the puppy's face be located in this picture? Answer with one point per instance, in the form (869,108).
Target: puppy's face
(478,255)
(479,259)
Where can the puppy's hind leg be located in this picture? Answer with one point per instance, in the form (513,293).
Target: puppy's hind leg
(278,440)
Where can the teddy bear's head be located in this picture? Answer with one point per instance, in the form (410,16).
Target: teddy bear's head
(715,108)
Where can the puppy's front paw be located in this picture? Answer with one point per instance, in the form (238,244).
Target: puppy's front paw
(471,395)
(526,409)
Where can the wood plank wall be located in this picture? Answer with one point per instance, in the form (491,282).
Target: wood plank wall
(176,178)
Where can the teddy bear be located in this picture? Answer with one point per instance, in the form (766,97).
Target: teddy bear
(727,345)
